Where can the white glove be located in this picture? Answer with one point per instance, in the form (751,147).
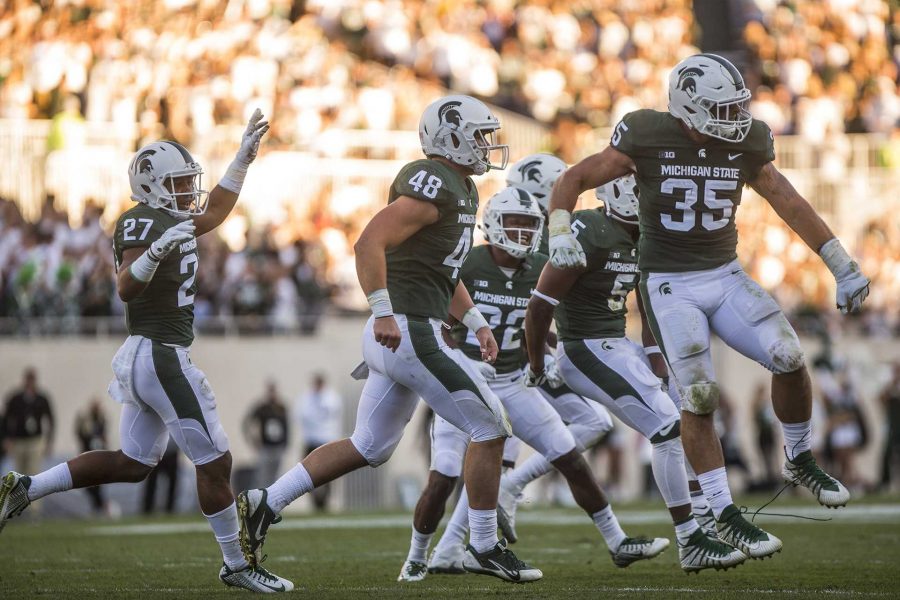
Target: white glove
(171,237)
(565,251)
(550,374)
(852,285)
(256,128)
(486,370)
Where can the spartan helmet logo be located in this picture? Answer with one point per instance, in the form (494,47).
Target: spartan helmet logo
(665,289)
(449,114)
(142,163)
(524,199)
(686,81)
(530,171)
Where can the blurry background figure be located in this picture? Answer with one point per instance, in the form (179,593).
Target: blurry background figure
(266,428)
(28,423)
(90,429)
(611,446)
(847,432)
(890,401)
(168,466)
(320,412)
(727,427)
(766,438)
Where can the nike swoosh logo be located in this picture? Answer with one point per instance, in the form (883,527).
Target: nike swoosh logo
(514,575)
(734,156)
(259,534)
(666,430)
(280,587)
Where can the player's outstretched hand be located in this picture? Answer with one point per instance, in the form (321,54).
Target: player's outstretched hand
(852,290)
(566,252)
(172,237)
(387,332)
(489,349)
(256,128)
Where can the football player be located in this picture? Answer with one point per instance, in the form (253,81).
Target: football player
(599,362)
(162,392)
(408,261)
(690,164)
(536,174)
(500,277)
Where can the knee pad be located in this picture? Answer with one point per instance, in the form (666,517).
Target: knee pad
(374,455)
(587,437)
(700,398)
(670,432)
(448,463)
(786,355)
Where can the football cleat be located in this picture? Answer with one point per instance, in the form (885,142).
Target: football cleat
(255,579)
(734,529)
(255,516)
(508,500)
(447,561)
(804,470)
(707,522)
(13,496)
(703,552)
(413,570)
(500,562)
(634,549)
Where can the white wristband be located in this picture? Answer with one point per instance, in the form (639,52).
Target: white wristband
(144,267)
(545,298)
(474,320)
(560,222)
(380,303)
(233,180)
(836,258)
(648,350)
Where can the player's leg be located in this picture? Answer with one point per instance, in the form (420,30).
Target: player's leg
(457,393)
(448,449)
(752,323)
(450,551)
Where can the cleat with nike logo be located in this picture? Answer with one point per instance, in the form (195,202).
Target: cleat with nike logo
(255,579)
(734,529)
(508,500)
(634,549)
(255,516)
(447,561)
(500,562)
(13,496)
(804,470)
(702,552)
(413,570)
(707,522)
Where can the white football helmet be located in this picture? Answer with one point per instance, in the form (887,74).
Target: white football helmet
(152,175)
(707,92)
(461,129)
(620,199)
(518,241)
(536,174)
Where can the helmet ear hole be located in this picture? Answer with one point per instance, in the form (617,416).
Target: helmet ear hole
(455,140)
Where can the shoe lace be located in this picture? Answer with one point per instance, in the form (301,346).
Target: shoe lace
(744,510)
(635,541)
(261,573)
(744,528)
(811,472)
(511,560)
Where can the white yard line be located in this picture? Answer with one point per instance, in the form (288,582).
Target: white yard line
(868,513)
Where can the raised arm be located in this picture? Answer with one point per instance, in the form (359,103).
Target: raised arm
(552,288)
(393,225)
(224,196)
(593,171)
(852,285)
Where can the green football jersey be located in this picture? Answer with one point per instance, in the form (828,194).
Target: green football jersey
(595,305)
(164,311)
(689,192)
(544,247)
(502,300)
(422,272)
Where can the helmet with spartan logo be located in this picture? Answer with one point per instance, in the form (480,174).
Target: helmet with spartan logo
(462,130)
(536,174)
(164,175)
(512,220)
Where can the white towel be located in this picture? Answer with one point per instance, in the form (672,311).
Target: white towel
(121,388)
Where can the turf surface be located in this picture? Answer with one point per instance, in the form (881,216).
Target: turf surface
(857,555)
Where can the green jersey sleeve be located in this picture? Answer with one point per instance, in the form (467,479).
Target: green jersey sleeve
(424,180)
(138,228)
(625,137)
(760,144)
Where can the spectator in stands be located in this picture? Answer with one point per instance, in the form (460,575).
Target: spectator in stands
(320,412)
(28,421)
(90,429)
(267,429)
(890,402)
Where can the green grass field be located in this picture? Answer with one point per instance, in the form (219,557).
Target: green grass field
(856,554)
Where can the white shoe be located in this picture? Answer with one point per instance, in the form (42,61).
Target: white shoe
(500,562)
(507,501)
(13,496)
(804,471)
(634,549)
(255,579)
(703,552)
(448,561)
(734,529)
(413,570)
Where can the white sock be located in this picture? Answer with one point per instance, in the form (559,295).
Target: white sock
(668,470)
(57,479)
(418,546)
(609,527)
(797,437)
(225,527)
(715,488)
(483,529)
(684,529)
(534,466)
(289,487)
(458,526)
(699,505)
